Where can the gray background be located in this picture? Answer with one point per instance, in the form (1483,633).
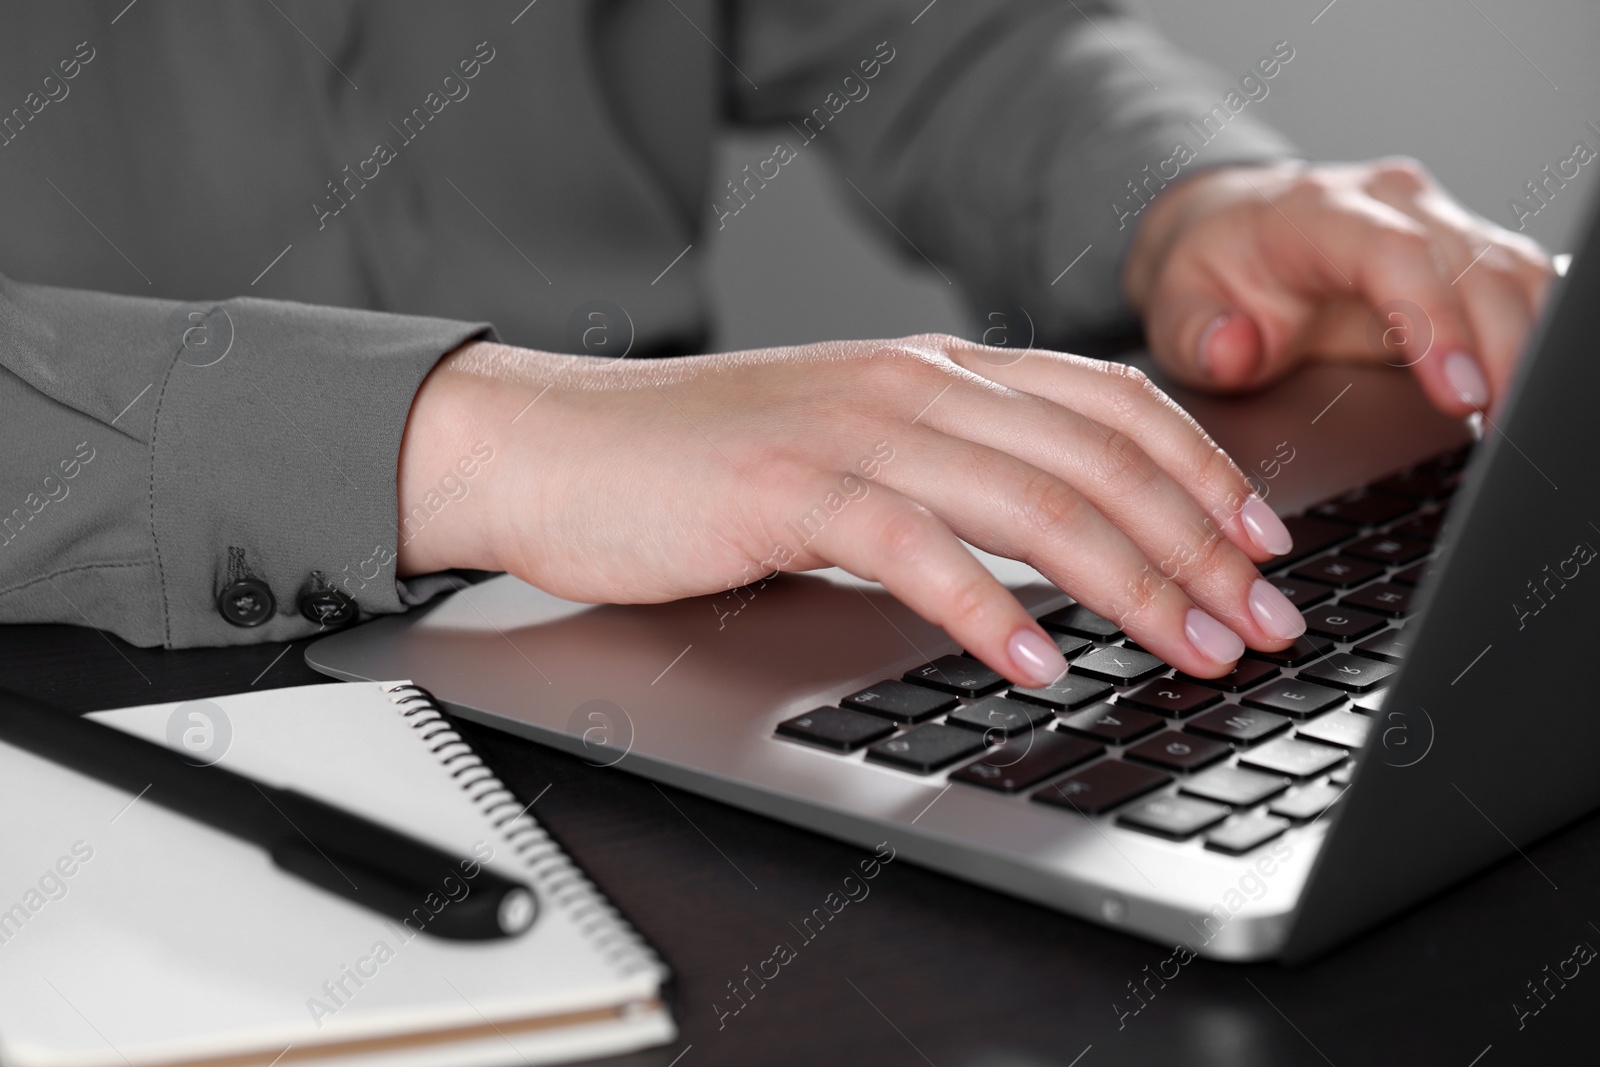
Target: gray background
(1484,95)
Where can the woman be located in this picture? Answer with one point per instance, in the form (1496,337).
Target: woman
(253,469)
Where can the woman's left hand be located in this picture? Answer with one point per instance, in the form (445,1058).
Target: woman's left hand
(1241,272)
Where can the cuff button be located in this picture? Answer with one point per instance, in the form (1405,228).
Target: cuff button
(246,602)
(329,608)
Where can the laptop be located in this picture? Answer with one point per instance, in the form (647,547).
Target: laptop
(1437,718)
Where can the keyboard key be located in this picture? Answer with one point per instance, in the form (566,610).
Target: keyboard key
(1371,510)
(1355,673)
(900,701)
(1067,692)
(1071,644)
(1426,527)
(1343,728)
(1422,484)
(1077,619)
(1179,752)
(999,717)
(1027,761)
(837,728)
(1338,621)
(1304,650)
(1301,593)
(1245,833)
(1124,666)
(1341,776)
(1101,787)
(1173,817)
(1246,674)
(1295,698)
(1341,571)
(1394,549)
(1311,536)
(1242,726)
(1238,786)
(1391,645)
(1307,802)
(1171,697)
(956,674)
(1385,598)
(1412,575)
(1113,723)
(1453,460)
(926,749)
(1288,755)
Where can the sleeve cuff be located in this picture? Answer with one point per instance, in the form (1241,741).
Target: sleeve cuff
(273,469)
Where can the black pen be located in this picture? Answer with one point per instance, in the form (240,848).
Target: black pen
(390,872)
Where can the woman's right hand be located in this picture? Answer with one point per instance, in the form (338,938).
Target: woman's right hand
(645,481)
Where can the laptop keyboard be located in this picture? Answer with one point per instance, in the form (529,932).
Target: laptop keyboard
(1234,761)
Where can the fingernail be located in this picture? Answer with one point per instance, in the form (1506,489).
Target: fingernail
(1462,372)
(1272,610)
(1203,356)
(1210,638)
(1264,527)
(1037,657)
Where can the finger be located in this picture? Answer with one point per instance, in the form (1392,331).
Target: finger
(1498,306)
(1349,329)
(1500,276)
(1125,400)
(1033,448)
(1009,507)
(1404,184)
(1389,256)
(1224,326)
(886,538)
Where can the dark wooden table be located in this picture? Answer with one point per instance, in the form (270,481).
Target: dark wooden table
(930,970)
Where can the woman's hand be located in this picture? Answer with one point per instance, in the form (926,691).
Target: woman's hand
(1243,271)
(628,482)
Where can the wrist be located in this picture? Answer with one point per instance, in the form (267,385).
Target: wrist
(443,475)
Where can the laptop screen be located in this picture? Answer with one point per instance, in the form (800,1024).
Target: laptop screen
(1488,739)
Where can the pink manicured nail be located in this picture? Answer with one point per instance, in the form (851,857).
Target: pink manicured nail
(1264,527)
(1273,611)
(1037,657)
(1464,376)
(1210,638)
(1204,353)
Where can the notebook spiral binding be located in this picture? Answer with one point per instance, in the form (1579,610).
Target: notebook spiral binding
(553,872)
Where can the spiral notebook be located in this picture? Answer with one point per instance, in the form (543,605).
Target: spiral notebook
(132,936)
